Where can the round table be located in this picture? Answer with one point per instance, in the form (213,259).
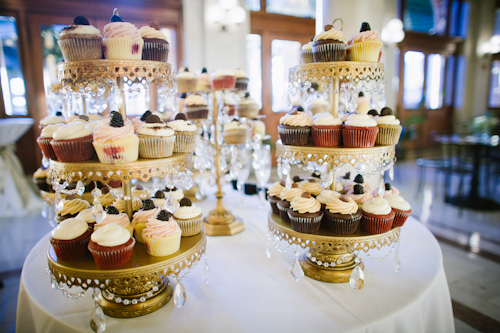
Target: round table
(248,292)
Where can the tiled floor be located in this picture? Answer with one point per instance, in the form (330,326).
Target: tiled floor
(470,242)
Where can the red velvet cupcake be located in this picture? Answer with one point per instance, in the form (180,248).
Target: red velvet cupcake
(223,79)
(401,208)
(70,239)
(73,143)
(378,216)
(111,246)
(359,131)
(44,140)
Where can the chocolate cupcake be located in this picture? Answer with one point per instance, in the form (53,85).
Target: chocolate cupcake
(196,107)
(273,195)
(306,55)
(70,239)
(156,46)
(378,216)
(287,196)
(342,215)
(401,208)
(329,45)
(241,79)
(311,186)
(295,127)
(71,207)
(305,214)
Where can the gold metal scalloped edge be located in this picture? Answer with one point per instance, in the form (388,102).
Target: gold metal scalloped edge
(365,71)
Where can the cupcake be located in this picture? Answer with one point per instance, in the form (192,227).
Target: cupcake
(241,79)
(326,130)
(113,216)
(185,134)
(115,141)
(273,195)
(286,196)
(203,81)
(148,211)
(320,105)
(342,215)
(229,104)
(122,40)
(86,215)
(139,192)
(80,41)
(156,139)
(196,107)
(120,205)
(40,180)
(176,193)
(235,133)
(306,55)
(311,186)
(346,179)
(295,127)
(388,189)
(389,128)
(156,45)
(105,198)
(70,208)
(358,180)
(365,45)
(159,199)
(373,114)
(326,196)
(359,195)
(401,208)
(305,214)
(359,131)
(186,81)
(111,246)
(378,216)
(258,129)
(223,79)
(73,143)
(51,120)
(189,218)
(44,140)
(162,235)
(362,104)
(70,239)
(139,121)
(247,107)
(329,45)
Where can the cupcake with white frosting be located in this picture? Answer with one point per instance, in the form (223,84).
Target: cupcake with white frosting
(247,107)
(138,121)
(359,131)
(401,208)
(342,215)
(295,127)
(73,143)
(329,45)
(235,132)
(44,140)
(87,216)
(326,196)
(156,139)
(388,189)
(156,46)
(320,105)
(176,193)
(241,79)
(305,214)
(51,120)
(389,128)
(111,246)
(311,186)
(326,130)
(70,239)
(196,107)
(185,134)
(80,41)
(186,81)
(378,216)
(122,40)
(223,79)
(189,217)
(306,55)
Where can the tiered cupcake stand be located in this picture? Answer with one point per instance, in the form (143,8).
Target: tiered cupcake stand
(142,285)
(327,256)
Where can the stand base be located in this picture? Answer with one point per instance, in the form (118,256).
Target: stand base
(337,274)
(120,310)
(223,229)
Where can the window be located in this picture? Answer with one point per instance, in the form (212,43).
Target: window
(253,5)
(11,74)
(460,82)
(285,54)
(494,100)
(299,8)
(435,81)
(450,76)
(425,16)
(413,82)
(254,66)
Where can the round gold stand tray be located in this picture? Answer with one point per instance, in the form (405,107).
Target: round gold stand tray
(331,256)
(101,72)
(49,197)
(142,169)
(137,288)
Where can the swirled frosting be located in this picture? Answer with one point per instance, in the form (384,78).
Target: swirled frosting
(157,229)
(72,130)
(73,206)
(178,194)
(313,188)
(120,219)
(142,216)
(307,47)
(305,205)
(326,119)
(234,125)
(121,29)
(349,186)
(240,74)
(106,199)
(327,195)
(195,100)
(92,125)
(300,119)
(364,36)
(137,193)
(120,205)
(52,120)
(289,193)
(160,202)
(397,202)
(360,120)
(182,125)
(136,123)
(222,72)
(48,131)
(70,229)
(187,212)
(330,34)
(148,32)
(110,235)
(387,120)
(86,215)
(40,173)
(393,190)
(360,198)
(377,206)
(247,101)
(155,129)
(186,75)
(105,132)
(77,29)
(335,205)
(275,190)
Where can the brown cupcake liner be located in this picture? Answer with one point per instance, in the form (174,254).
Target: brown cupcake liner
(400,217)
(73,249)
(74,150)
(274,204)
(190,227)
(377,224)
(241,84)
(306,57)
(296,136)
(326,136)
(224,82)
(247,111)
(46,147)
(235,136)
(185,143)
(156,147)
(359,137)
(196,112)
(283,212)
(306,225)
(186,85)
(76,49)
(112,257)
(326,52)
(346,226)
(155,51)
(388,135)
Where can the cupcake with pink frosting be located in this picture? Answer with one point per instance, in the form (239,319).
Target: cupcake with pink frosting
(122,40)
(388,189)
(365,45)
(115,141)
(162,235)
(113,216)
(360,195)
(139,220)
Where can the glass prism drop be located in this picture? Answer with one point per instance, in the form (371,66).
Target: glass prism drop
(398,261)
(269,248)
(381,188)
(357,279)
(80,188)
(97,320)
(98,212)
(45,210)
(296,270)
(179,295)
(206,273)
(58,201)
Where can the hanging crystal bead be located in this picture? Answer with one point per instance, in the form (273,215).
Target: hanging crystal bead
(58,201)
(381,187)
(45,210)
(357,279)
(96,191)
(269,247)
(80,188)
(206,271)
(398,261)
(179,294)
(98,212)
(97,319)
(296,270)
(45,162)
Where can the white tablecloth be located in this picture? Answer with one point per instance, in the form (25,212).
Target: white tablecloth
(16,195)
(249,293)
